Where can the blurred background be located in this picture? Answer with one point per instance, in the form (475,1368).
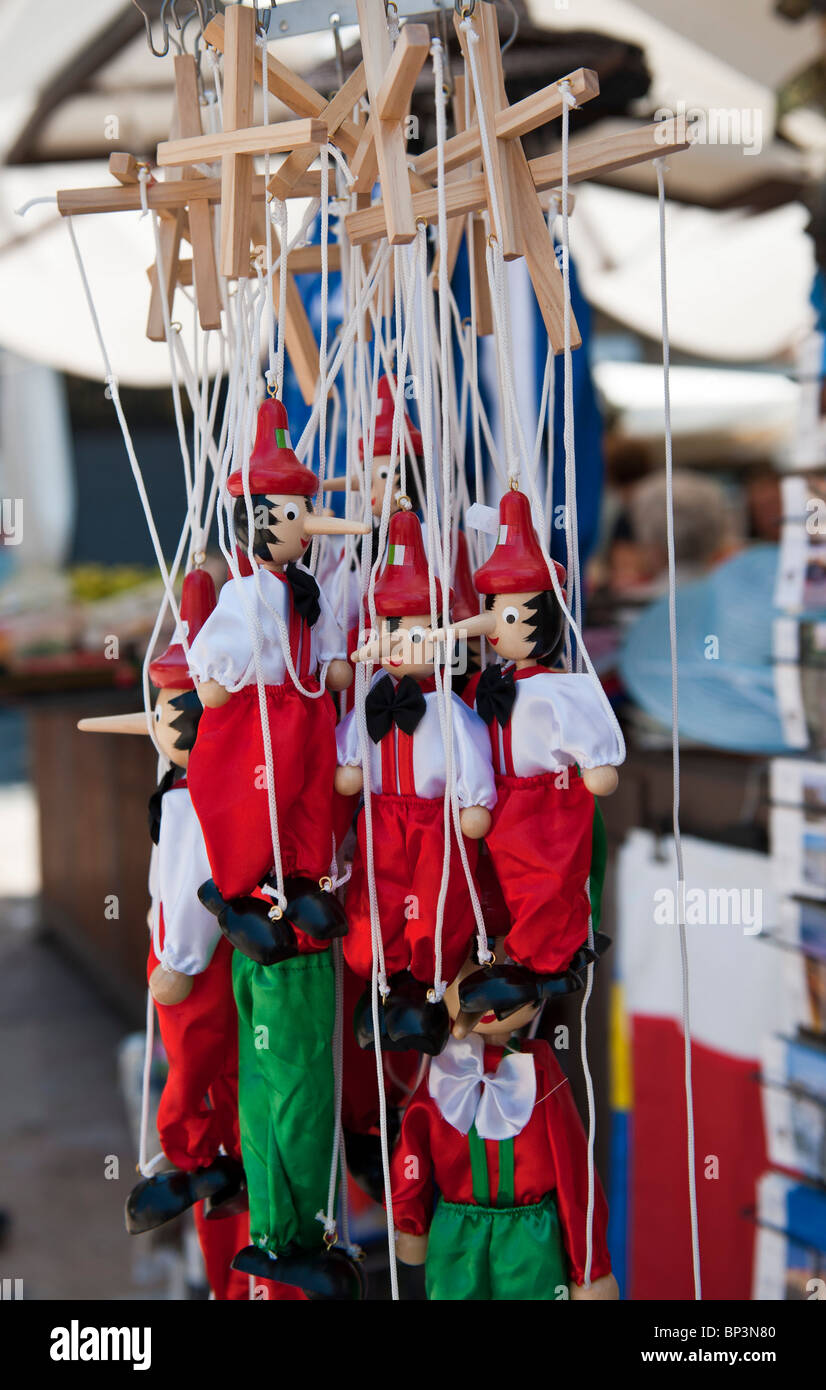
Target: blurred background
(747,254)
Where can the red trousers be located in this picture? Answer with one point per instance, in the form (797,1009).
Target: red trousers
(228,785)
(198,1111)
(408,849)
(540,847)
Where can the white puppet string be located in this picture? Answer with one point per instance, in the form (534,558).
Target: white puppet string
(675,736)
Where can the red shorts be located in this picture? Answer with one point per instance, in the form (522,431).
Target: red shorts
(540,847)
(408,850)
(198,1111)
(228,784)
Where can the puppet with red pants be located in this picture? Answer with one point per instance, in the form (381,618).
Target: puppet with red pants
(282,970)
(555,746)
(189,971)
(408,774)
(227,769)
(494,1129)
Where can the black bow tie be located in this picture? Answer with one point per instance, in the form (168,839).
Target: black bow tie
(155,800)
(305,593)
(386,705)
(495,694)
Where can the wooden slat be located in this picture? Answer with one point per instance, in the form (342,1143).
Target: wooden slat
(546,276)
(389,136)
(479,270)
(263,139)
(591,159)
(169,237)
(455,227)
(533,111)
(200,217)
(336,111)
(79,202)
(499,187)
(237,169)
(407,60)
(299,339)
(287,86)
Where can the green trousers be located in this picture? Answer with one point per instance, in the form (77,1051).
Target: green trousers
(286,1018)
(497,1253)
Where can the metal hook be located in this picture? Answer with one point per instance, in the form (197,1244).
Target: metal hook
(335,25)
(503,48)
(156,52)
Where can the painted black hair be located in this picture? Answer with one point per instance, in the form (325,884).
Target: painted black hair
(266,535)
(186,722)
(548,626)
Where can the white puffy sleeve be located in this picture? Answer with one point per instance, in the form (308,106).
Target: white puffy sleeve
(347,742)
(190,932)
(475,784)
(330,641)
(581,726)
(222,651)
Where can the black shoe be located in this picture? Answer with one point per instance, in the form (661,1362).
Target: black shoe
(247,925)
(363,1154)
(409,1022)
(227,1204)
(322,1274)
(314,910)
(154,1201)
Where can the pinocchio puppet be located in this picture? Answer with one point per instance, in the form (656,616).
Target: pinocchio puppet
(190,964)
(408,773)
(227,770)
(493,1129)
(554,746)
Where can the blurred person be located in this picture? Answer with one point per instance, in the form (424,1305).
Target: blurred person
(706,531)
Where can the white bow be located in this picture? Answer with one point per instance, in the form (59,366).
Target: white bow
(499,1102)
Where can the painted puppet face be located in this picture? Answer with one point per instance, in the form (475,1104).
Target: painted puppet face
(487,1025)
(405,651)
(286,540)
(382,477)
(171,723)
(514,636)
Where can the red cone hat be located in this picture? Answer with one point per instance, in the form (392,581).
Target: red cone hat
(383,440)
(516,565)
(169,670)
(275,471)
(402,588)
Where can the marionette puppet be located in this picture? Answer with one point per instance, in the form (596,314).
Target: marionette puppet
(344,573)
(190,964)
(493,1129)
(408,774)
(554,748)
(226,773)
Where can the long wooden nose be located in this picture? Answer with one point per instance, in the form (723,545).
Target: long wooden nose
(482,625)
(334,526)
(115,724)
(340,484)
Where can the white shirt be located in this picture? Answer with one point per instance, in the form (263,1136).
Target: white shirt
(471,754)
(223,649)
(558,720)
(178,867)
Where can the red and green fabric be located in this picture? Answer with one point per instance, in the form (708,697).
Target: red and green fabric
(286,1017)
(479,1251)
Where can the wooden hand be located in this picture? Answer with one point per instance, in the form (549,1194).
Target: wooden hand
(169,986)
(339,675)
(348,781)
(475,822)
(410,1249)
(601,781)
(212,695)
